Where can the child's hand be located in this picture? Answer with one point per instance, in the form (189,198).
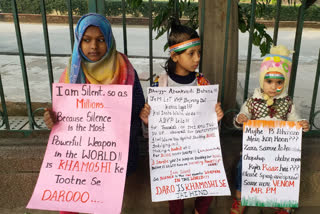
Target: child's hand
(219,111)
(49,118)
(305,125)
(144,114)
(242,118)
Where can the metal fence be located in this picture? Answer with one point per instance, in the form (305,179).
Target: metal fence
(98,6)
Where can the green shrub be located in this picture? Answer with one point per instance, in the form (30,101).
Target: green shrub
(288,13)
(79,7)
(24,6)
(313,13)
(114,8)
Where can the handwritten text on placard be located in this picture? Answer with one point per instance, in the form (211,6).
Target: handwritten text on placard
(271,163)
(84,167)
(184,145)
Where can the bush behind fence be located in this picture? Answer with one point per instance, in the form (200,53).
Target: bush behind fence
(114,8)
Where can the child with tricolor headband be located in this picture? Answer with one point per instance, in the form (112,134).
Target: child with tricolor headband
(184,45)
(269,102)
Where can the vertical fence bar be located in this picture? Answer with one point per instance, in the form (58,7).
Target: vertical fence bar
(252,21)
(4,107)
(176,8)
(92,6)
(22,62)
(101,7)
(47,44)
(203,6)
(150,43)
(124,26)
(315,93)
(297,44)
(70,19)
(225,55)
(276,23)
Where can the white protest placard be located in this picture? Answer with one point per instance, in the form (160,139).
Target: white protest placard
(271,156)
(184,144)
(84,167)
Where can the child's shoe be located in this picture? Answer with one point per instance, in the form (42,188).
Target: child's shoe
(236,207)
(283,211)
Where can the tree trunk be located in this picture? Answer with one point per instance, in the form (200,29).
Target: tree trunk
(213,47)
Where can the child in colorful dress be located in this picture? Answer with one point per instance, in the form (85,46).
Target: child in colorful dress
(95,60)
(269,102)
(184,43)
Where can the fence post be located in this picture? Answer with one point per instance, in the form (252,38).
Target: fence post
(101,7)
(276,23)
(202,20)
(225,55)
(47,43)
(97,6)
(297,44)
(314,96)
(124,26)
(92,6)
(23,63)
(70,15)
(150,43)
(4,107)
(248,66)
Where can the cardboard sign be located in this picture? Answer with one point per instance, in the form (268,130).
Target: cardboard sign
(184,144)
(271,161)
(84,167)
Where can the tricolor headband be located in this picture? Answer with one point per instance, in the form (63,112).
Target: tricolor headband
(274,75)
(185,45)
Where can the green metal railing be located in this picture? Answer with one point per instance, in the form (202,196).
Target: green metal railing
(297,45)
(226,40)
(3,113)
(70,19)
(23,64)
(252,21)
(276,23)
(47,44)
(98,6)
(313,114)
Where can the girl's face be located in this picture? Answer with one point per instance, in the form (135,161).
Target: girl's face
(188,61)
(270,87)
(93,44)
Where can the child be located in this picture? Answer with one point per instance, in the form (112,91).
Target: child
(269,102)
(180,69)
(95,60)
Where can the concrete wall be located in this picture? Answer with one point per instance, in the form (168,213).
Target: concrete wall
(21,158)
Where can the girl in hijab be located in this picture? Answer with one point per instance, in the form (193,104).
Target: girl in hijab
(95,60)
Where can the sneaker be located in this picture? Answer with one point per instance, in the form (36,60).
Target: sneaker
(236,207)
